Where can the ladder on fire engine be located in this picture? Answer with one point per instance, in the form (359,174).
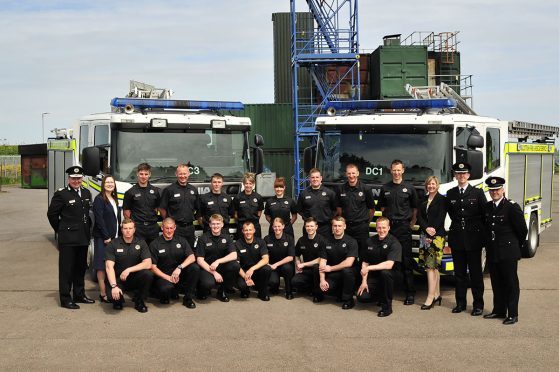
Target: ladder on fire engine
(441,91)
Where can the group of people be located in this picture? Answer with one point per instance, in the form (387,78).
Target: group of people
(335,255)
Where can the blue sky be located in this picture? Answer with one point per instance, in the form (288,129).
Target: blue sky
(71,57)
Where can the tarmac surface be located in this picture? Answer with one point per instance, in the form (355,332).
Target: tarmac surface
(248,334)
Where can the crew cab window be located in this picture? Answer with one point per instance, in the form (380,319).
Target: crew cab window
(101,135)
(492,146)
(84,138)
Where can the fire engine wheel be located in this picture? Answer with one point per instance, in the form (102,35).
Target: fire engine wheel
(531,244)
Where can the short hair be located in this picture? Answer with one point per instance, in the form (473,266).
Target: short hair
(338,219)
(183,165)
(248,223)
(249,177)
(383,219)
(216,217)
(280,181)
(169,220)
(278,219)
(314,170)
(352,165)
(310,219)
(127,221)
(432,178)
(216,175)
(396,162)
(144,167)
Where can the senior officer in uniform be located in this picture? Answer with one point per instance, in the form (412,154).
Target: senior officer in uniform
(173,264)
(319,202)
(307,250)
(465,206)
(68,214)
(399,202)
(180,201)
(253,258)
(215,202)
(140,204)
(507,232)
(335,272)
(217,257)
(128,263)
(379,266)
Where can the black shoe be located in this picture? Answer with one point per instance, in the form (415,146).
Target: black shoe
(104,299)
(289,296)
(510,320)
(264,297)
(187,301)
(230,291)
(117,305)
(84,300)
(384,312)
(410,300)
(349,304)
(164,300)
(493,315)
(317,298)
(476,312)
(201,297)
(141,306)
(458,309)
(245,294)
(70,305)
(221,296)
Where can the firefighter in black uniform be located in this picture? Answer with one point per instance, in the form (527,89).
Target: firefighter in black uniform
(379,266)
(307,251)
(180,201)
(128,263)
(140,204)
(319,202)
(253,258)
(506,233)
(281,248)
(217,258)
(399,202)
(281,206)
(215,202)
(68,214)
(173,265)
(465,206)
(336,273)
(248,206)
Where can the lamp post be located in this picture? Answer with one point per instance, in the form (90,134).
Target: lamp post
(43,123)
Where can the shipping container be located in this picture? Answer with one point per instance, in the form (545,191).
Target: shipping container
(447,68)
(34,159)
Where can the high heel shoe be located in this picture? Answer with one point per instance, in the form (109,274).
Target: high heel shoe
(438,299)
(430,306)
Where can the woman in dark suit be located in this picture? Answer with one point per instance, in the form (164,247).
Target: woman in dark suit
(431,217)
(107,221)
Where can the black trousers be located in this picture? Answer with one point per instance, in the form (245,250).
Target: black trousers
(228,270)
(467,269)
(72,264)
(187,232)
(261,278)
(342,283)
(286,271)
(147,232)
(381,286)
(402,231)
(139,282)
(304,281)
(506,288)
(188,280)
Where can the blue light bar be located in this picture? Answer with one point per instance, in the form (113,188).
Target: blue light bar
(146,103)
(398,104)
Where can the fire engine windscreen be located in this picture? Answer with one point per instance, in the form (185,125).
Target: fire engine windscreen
(206,151)
(424,154)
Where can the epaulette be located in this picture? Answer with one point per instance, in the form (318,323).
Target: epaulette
(60,189)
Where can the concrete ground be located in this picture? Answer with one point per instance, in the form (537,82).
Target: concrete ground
(250,334)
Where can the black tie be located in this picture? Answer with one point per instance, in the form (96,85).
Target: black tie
(461,192)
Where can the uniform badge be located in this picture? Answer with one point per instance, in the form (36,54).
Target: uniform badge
(137,247)
(72,201)
(191,192)
(256,246)
(285,244)
(360,193)
(461,166)
(344,245)
(76,170)
(286,202)
(225,200)
(493,181)
(405,189)
(224,241)
(323,193)
(315,245)
(255,200)
(385,246)
(151,192)
(179,245)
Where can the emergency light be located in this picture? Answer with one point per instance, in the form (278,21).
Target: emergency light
(147,103)
(398,104)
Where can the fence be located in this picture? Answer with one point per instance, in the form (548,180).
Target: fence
(10,169)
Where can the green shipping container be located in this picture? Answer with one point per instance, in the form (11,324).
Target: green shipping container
(394,66)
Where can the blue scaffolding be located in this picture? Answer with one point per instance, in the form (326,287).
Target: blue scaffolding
(331,55)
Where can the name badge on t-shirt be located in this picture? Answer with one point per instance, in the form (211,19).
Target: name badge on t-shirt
(209,244)
(328,247)
(120,250)
(243,251)
(242,202)
(161,251)
(210,203)
(177,195)
(307,197)
(270,245)
(137,195)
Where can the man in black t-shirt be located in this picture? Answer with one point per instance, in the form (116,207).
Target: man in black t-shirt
(307,252)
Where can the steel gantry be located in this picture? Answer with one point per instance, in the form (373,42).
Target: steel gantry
(331,55)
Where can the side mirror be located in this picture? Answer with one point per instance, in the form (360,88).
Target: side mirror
(475,159)
(309,158)
(258,157)
(91,161)
(258,140)
(475,141)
